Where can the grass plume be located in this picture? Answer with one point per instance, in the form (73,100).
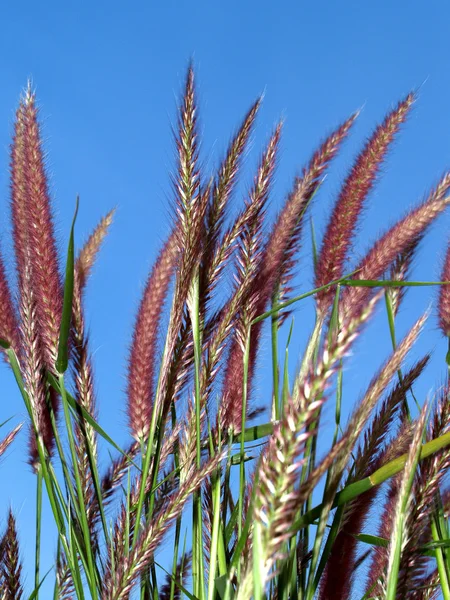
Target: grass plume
(275,513)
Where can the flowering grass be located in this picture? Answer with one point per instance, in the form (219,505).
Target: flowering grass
(287,520)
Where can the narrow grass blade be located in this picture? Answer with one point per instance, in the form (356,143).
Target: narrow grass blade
(63,346)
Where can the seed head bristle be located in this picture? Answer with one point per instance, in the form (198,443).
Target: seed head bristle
(277,497)
(215,252)
(402,517)
(19,193)
(180,575)
(376,388)
(188,180)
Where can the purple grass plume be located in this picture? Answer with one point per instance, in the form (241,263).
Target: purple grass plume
(349,205)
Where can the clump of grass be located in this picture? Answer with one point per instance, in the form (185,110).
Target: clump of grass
(272,514)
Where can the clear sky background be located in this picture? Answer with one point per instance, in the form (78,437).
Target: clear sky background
(107,76)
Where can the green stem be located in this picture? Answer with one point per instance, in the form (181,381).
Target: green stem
(198,575)
(214,536)
(441,564)
(91,574)
(38,529)
(275,370)
(176,543)
(246,359)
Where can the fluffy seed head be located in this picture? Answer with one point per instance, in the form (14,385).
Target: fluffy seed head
(143,352)
(41,245)
(343,220)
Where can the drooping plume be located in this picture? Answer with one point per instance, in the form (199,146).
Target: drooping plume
(88,253)
(8,440)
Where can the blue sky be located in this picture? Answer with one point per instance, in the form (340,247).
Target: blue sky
(107,76)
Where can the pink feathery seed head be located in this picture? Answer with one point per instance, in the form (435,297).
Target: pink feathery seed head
(380,554)
(32,367)
(396,240)
(181,575)
(9,329)
(324,154)
(19,193)
(444,297)
(8,440)
(230,166)
(143,351)
(248,267)
(284,240)
(349,205)
(188,179)
(88,253)
(221,193)
(41,244)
